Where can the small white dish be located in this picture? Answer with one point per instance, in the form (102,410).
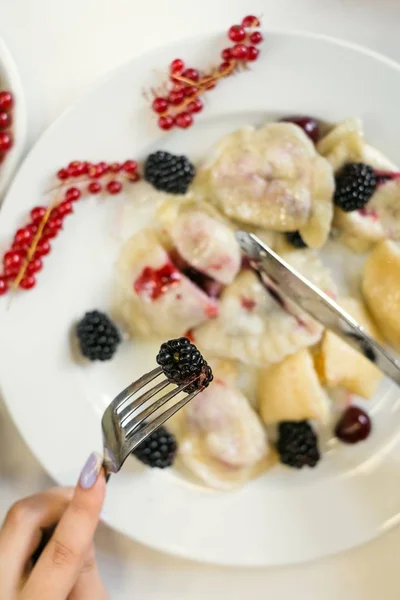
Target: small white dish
(282,517)
(10,80)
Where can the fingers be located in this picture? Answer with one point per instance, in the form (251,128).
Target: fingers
(22,531)
(89,584)
(58,568)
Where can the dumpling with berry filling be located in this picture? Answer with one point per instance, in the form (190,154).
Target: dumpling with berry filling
(153,296)
(272,178)
(256,325)
(203,239)
(222,442)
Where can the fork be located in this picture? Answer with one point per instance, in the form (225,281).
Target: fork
(124,428)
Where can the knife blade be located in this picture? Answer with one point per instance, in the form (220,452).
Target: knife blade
(303,294)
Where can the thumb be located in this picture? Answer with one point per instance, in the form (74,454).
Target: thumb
(58,568)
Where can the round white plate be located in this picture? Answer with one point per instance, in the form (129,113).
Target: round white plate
(282,517)
(10,80)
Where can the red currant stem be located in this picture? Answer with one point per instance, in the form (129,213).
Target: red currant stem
(33,246)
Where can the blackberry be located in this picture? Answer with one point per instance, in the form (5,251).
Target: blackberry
(158,450)
(294,238)
(169,173)
(181,362)
(97,336)
(297,444)
(355,184)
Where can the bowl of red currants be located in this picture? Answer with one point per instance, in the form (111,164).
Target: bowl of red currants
(12,118)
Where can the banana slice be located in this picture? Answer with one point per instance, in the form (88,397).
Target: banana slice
(381,289)
(152,296)
(271,178)
(254,327)
(205,241)
(291,391)
(339,365)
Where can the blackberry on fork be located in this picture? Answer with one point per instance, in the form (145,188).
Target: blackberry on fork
(181,362)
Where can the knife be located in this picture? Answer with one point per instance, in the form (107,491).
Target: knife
(298,292)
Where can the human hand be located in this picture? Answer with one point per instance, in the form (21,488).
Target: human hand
(66,569)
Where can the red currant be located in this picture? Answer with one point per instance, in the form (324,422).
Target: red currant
(129,166)
(72,194)
(175,98)
(250,21)
(43,247)
(12,271)
(236,33)
(195,106)
(166,123)
(191,74)
(252,53)
(28,282)
(23,235)
(177,66)
(160,104)
(134,177)
(256,37)
(6,101)
(226,54)
(225,67)
(115,167)
(114,187)
(52,227)
(34,266)
(37,214)
(184,120)
(239,52)
(190,90)
(76,168)
(6,141)
(32,227)
(95,171)
(12,258)
(5,120)
(3,285)
(62,174)
(64,208)
(94,187)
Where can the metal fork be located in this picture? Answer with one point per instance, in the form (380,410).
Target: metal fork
(125,426)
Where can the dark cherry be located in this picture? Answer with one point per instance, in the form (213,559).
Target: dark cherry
(353,426)
(308,124)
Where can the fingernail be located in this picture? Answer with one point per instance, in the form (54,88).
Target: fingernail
(90,471)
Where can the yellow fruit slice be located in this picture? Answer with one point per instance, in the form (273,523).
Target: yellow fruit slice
(291,391)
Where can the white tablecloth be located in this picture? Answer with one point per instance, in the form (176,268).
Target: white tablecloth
(61,47)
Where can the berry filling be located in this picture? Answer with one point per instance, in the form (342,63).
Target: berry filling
(153,283)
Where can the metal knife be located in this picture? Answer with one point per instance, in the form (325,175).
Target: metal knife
(297,290)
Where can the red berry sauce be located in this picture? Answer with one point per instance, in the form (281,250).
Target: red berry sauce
(353,426)
(153,283)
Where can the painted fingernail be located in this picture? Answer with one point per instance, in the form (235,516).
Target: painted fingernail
(90,471)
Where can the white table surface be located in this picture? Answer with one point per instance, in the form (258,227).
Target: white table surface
(61,47)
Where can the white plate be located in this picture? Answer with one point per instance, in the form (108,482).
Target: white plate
(284,516)
(10,80)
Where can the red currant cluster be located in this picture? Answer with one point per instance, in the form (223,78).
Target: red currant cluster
(24,259)
(181,99)
(6,139)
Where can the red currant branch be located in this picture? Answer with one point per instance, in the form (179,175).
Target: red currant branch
(31,243)
(177,100)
